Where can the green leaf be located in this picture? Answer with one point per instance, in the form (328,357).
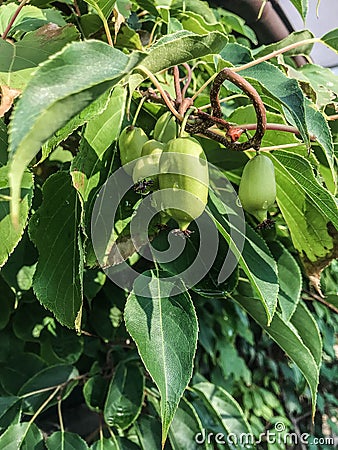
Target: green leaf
(7,301)
(164,328)
(246,114)
(47,381)
(197,23)
(287,336)
(18,370)
(47,103)
(306,206)
(318,126)
(125,396)
(185,426)
(330,39)
(128,38)
(148,429)
(10,235)
(322,80)
(61,346)
(182,46)
(3,143)
(10,408)
(58,277)
(27,15)
(9,345)
(308,329)
(22,436)
(283,89)
(29,320)
(64,440)
(292,38)
(18,60)
(23,257)
(95,392)
(224,408)
(92,110)
(255,258)
(103,7)
(209,285)
(103,129)
(105,444)
(301,6)
(237,24)
(290,279)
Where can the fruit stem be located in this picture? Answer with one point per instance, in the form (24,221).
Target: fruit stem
(155,81)
(185,120)
(139,107)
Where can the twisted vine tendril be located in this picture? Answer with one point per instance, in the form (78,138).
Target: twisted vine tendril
(202,121)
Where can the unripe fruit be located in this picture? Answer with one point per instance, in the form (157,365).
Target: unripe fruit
(148,166)
(131,141)
(183,197)
(257,189)
(165,128)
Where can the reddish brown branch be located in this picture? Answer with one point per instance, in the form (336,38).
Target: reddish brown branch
(177,84)
(189,77)
(11,22)
(276,127)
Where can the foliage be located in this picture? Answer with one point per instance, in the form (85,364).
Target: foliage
(168,356)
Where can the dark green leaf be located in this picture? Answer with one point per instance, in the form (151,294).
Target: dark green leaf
(10,408)
(3,143)
(95,392)
(148,429)
(7,302)
(48,381)
(255,257)
(125,396)
(9,234)
(9,345)
(61,346)
(18,370)
(59,215)
(64,440)
(288,338)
